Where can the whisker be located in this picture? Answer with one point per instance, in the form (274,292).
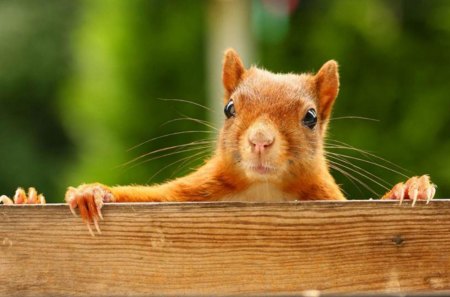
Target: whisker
(346,175)
(170,154)
(171,164)
(167,135)
(191,159)
(365,185)
(355,117)
(187,101)
(338,157)
(343,145)
(363,170)
(203,141)
(359,173)
(374,163)
(205,123)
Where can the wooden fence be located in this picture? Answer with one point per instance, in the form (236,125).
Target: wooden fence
(195,249)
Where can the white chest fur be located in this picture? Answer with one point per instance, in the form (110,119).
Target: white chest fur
(260,192)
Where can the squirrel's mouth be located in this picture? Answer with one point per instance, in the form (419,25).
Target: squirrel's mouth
(260,169)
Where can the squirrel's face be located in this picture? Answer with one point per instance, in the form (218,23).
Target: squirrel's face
(275,123)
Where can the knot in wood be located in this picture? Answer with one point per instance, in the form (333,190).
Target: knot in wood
(398,240)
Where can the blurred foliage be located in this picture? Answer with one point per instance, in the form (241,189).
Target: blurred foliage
(35,60)
(128,54)
(80,82)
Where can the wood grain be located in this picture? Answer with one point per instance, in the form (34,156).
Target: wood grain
(195,249)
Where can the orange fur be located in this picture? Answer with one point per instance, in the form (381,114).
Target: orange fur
(265,103)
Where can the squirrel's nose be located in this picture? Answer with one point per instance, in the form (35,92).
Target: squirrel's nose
(260,141)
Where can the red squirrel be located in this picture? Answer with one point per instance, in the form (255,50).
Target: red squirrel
(270,148)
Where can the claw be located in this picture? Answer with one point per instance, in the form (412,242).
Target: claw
(32,196)
(415,193)
(92,208)
(98,200)
(99,212)
(5,200)
(20,197)
(73,211)
(90,229)
(430,193)
(41,199)
(97,227)
(402,195)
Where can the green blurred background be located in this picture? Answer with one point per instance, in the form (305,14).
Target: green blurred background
(81,83)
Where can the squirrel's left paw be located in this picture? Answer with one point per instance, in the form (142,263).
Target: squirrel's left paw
(89,200)
(415,188)
(20,197)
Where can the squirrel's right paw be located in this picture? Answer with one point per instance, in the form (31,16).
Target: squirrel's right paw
(89,200)
(415,188)
(20,197)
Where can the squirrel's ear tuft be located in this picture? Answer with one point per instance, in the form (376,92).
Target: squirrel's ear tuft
(327,87)
(232,72)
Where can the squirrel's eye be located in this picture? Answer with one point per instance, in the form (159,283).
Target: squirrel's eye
(310,119)
(229,109)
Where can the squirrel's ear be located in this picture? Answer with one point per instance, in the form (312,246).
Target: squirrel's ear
(232,71)
(327,87)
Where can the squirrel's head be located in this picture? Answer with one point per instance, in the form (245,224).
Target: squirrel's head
(275,123)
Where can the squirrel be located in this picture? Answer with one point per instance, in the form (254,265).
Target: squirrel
(270,149)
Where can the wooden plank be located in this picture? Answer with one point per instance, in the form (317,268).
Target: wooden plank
(156,249)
